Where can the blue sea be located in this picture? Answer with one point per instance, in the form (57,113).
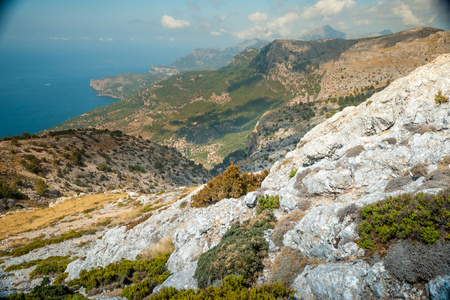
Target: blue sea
(45,85)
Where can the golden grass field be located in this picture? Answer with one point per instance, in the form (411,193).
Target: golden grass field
(43,217)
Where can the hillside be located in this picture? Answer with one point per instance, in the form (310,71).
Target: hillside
(358,210)
(90,161)
(208,115)
(201,59)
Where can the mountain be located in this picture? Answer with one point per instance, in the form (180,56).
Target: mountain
(349,36)
(362,199)
(87,161)
(207,115)
(201,59)
(323,32)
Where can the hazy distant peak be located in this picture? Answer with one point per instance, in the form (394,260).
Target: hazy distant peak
(323,32)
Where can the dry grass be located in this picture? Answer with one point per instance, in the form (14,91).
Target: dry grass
(165,245)
(44,217)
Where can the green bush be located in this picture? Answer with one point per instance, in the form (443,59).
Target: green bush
(239,253)
(41,187)
(136,168)
(292,174)
(439,98)
(104,168)
(60,278)
(7,191)
(32,164)
(230,184)
(145,275)
(59,292)
(231,288)
(421,217)
(268,203)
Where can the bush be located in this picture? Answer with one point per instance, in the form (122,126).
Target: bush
(32,164)
(230,184)
(104,168)
(50,265)
(231,288)
(46,292)
(268,203)
(418,263)
(421,217)
(287,266)
(6,191)
(41,187)
(292,174)
(145,275)
(136,168)
(239,253)
(439,98)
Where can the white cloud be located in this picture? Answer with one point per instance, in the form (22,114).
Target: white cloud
(405,13)
(172,39)
(258,17)
(59,38)
(170,23)
(215,33)
(280,26)
(327,8)
(363,22)
(106,39)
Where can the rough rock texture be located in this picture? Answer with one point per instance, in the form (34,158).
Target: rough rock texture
(362,155)
(439,288)
(194,231)
(398,141)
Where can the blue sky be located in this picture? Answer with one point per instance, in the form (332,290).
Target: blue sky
(206,23)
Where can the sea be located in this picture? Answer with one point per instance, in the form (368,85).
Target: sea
(45,85)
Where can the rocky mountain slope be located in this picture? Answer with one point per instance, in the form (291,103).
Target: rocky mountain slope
(396,142)
(80,161)
(208,115)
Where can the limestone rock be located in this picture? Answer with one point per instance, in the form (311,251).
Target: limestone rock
(439,288)
(251,199)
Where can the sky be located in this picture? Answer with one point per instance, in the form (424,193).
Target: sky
(204,23)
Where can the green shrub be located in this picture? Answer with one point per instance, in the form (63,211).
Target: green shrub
(439,98)
(239,253)
(230,184)
(6,191)
(41,187)
(145,275)
(32,164)
(104,168)
(421,217)
(231,288)
(60,279)
(292,174)
(136,168)
(59,292)
(268,203)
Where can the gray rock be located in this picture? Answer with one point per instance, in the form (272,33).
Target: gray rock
(251,199)
(439,288)
(321,234)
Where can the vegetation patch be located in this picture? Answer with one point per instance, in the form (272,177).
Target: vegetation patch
(51,265)
(268,203)
(239,253)
(422,217)
(292,174)
(42,243)
(47,292)
(137,278)
(230,288)
(136,222)
(441,99)
(287,266)
(7,191)
(230,184)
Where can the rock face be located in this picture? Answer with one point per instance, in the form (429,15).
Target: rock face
(396,142)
